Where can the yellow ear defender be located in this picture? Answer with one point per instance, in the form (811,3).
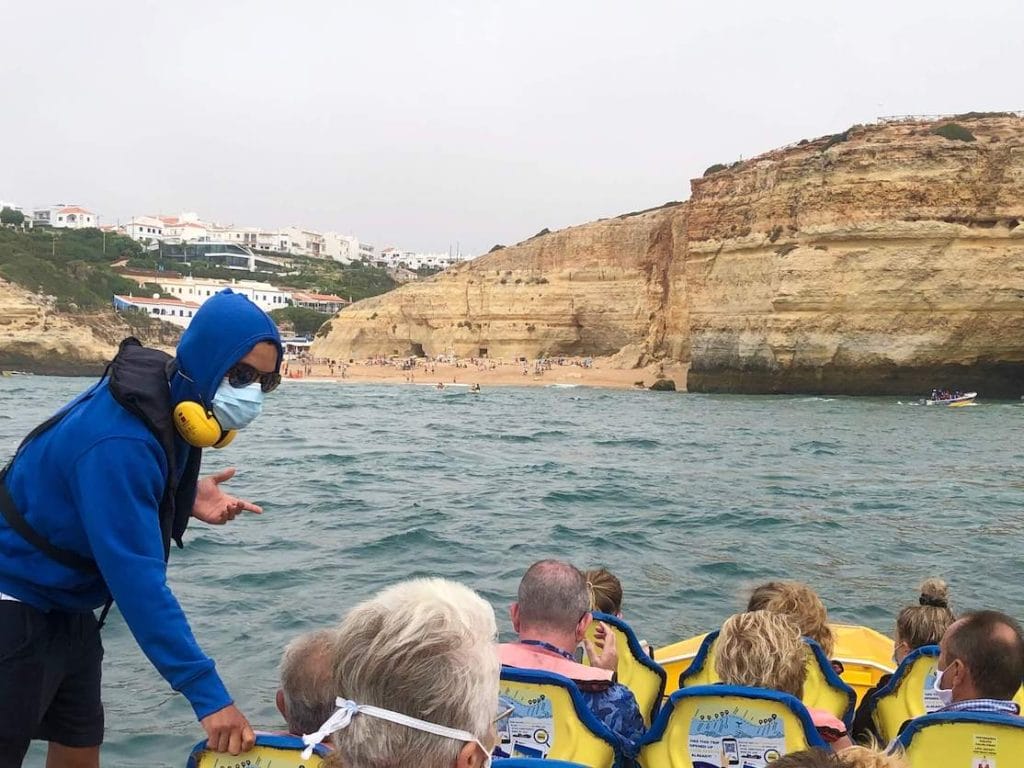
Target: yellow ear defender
(199,427)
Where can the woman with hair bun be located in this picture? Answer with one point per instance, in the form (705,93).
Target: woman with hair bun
(924,623)
(916,626)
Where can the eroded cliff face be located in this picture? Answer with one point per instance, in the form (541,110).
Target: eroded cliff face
(37,339)
(892,262)
(597,289)
(888,260)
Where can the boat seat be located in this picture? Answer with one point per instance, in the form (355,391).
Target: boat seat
(551,719)
(715,725)
(636,670)
(907,695)
(970,739)
(279,751)
(824,689)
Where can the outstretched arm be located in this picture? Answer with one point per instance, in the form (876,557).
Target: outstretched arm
(214,506)
(119,483)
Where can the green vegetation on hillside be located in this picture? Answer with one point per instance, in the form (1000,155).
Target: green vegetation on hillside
(304,322)
(10,216)
(73,266)
(350,281)
(953,131)
(68,264)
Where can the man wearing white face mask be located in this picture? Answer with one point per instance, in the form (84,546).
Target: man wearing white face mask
(416,674)
(981,664)
(89,506)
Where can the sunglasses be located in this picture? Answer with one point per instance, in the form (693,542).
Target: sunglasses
(242,375)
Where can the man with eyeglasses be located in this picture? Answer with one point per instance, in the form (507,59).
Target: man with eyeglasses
(90,503)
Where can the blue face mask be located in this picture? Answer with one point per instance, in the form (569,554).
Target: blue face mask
(237,407)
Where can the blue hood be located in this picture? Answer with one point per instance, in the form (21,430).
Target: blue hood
(221,333)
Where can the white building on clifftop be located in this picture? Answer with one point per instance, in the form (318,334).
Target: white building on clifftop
(64,216)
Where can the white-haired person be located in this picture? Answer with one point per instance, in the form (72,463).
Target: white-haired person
(416,675)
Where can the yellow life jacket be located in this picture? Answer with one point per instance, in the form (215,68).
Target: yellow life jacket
(907,695)
(280,751)
(970,739)
(636,670)
(710,726)
(823,689)
(550,720)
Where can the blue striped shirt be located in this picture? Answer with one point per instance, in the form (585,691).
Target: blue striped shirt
(984,705)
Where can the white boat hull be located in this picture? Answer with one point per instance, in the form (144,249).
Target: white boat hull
(962,400)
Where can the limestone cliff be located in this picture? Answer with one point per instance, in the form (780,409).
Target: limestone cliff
(588,290)
(887,259)
(36,338)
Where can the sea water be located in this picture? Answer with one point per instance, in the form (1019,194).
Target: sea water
(689,499)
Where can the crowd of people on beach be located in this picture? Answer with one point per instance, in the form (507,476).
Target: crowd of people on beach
(426,648)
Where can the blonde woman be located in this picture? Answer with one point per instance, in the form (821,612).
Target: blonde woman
(800,604)
(605,591)
(762,649)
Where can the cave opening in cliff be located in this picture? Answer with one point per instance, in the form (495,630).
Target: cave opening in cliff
(483,352)
(416,350)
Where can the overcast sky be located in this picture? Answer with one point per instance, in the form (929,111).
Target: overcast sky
(423,124)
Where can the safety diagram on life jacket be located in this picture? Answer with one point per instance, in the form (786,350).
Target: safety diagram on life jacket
(527,731)
(984,751)
(740,737)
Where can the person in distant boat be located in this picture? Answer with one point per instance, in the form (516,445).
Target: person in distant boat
(306,696)
(763,649)
(550,617)
(90,504)
(916,626)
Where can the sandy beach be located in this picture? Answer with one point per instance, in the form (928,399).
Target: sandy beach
(487,373)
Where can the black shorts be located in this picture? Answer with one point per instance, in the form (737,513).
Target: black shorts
(50,666)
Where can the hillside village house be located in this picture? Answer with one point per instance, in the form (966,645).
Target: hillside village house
(65,217)
(341,248)
(321,302)
(303,242)
(145,228)
(196,289)
(166,308)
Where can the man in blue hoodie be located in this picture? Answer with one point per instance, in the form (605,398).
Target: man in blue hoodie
(92,500)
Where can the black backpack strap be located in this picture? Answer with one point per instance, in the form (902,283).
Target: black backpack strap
(19,524)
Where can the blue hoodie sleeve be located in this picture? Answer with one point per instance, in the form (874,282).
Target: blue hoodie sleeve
(119,483)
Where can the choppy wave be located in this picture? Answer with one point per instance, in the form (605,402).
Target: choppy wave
(689,499)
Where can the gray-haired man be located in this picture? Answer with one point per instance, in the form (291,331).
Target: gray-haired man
(306,696)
